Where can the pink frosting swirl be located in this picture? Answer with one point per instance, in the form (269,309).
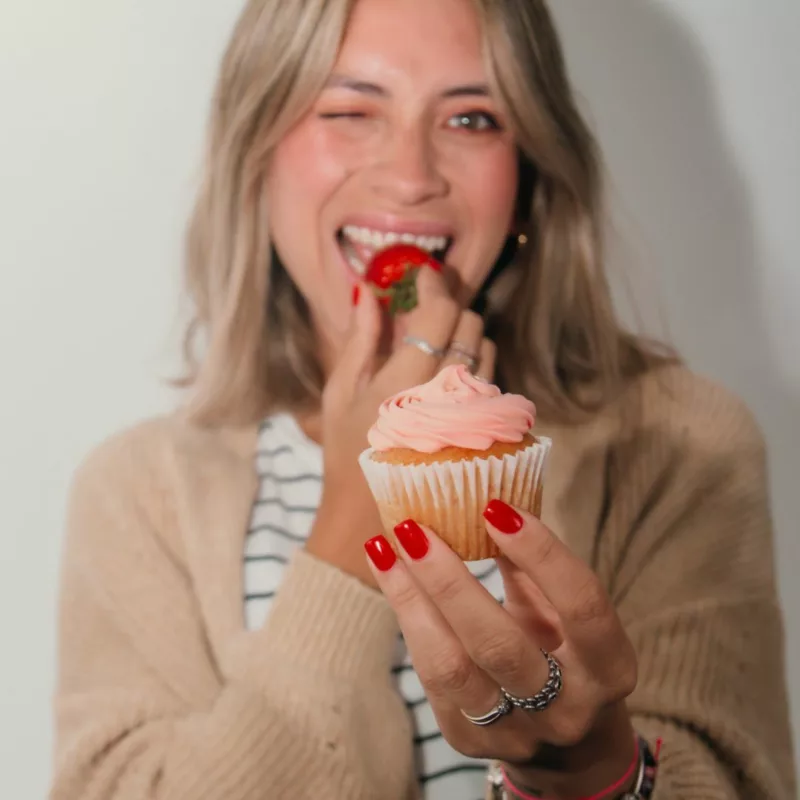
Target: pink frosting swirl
(455,409)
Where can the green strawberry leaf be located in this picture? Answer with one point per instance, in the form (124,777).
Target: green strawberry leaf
(403,293)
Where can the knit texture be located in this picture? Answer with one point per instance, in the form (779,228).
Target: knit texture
(163,695)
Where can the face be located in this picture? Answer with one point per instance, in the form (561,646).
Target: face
(405,143)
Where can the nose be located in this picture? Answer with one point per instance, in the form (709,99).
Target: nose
(408,171)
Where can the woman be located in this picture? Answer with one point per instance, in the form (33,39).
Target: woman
(336,131)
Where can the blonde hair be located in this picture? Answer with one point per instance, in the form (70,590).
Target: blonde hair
(556,332)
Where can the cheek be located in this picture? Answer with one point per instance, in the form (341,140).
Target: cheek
(312,161)
(302,176)
(304,173)
(493,192)
(489,190)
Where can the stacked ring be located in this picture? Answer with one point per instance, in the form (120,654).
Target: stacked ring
(424,346)
(465,354)
(538,702)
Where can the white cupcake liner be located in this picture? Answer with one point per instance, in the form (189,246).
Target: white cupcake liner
(450,496)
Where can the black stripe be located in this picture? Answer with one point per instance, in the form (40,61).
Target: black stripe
(443,773)
(278,451)
(266,425)
(482,576)
(402,668)
(260,596)
(307,476)
(420,701)
(267,528)
(257,559)
(276,501)
(427,737)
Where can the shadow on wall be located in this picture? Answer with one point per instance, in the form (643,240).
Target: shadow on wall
(684,208)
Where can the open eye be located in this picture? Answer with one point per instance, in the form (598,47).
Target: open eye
(478,121)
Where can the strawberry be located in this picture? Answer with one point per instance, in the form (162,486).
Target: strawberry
(392,273)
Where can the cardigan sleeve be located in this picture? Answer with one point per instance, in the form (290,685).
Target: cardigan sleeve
(687,553)
(145,710)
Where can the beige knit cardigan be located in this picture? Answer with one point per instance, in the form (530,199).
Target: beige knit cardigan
(163,694)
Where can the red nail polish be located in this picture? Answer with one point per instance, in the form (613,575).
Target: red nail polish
(380,553)
(356,294)
(413,539)
(503,517)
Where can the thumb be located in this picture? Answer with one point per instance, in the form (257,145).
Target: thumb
(357,358)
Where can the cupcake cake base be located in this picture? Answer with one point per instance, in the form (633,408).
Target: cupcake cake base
(448,490)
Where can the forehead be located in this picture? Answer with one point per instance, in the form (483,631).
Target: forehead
(419,39)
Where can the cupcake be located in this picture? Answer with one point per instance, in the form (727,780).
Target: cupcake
(441,451)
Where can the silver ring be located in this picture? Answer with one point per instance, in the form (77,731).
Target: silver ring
(465,354)
(500,710)
(424,346)
(544,698)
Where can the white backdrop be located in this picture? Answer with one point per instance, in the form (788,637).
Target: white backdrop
(103,106)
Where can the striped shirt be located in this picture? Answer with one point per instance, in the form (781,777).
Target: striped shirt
(289,467)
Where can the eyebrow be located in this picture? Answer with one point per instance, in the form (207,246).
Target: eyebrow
(374,89)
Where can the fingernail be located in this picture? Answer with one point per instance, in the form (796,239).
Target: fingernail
(356,294)
(503,517)
(380,553)
(435,265)
(413,539)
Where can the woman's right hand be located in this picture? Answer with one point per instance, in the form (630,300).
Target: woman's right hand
(347,515)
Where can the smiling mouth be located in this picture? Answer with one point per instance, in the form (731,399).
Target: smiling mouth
(359,245)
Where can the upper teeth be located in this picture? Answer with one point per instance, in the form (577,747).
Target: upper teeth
(380,239)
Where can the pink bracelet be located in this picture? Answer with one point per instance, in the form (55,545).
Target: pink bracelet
(614,788)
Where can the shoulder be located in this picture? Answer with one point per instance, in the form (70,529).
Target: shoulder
(140,481)
(151,450)
(131,493)
(139,445)
(688,412)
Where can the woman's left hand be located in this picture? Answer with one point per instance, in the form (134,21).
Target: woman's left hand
(465,646)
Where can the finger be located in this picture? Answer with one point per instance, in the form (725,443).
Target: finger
(449,676)
(357,358)
(432,321)
(491,637)
(585,610)
(487,360)
(465,347)
(526,603)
